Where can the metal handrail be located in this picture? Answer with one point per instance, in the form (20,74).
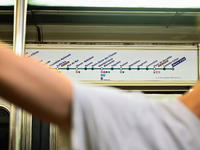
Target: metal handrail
(16,119)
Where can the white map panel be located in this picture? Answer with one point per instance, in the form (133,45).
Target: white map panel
(121,65)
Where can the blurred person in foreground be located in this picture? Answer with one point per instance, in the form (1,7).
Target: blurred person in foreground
(100,118)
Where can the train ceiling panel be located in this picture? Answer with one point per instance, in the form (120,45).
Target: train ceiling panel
(124,3)
(7,3)
(101,24)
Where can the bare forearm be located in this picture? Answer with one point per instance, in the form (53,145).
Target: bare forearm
(35,88)
(191,99)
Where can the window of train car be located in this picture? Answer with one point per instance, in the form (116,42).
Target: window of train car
(4,128)
(124,3)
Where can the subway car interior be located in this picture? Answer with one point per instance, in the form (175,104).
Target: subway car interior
(151,47)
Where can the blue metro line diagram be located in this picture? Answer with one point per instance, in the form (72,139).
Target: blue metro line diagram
(121,65)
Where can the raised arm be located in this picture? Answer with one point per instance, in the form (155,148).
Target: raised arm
(35,88)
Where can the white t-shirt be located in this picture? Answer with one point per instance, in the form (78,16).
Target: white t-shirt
(110,119)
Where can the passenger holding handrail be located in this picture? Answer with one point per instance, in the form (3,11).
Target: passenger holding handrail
(100,118)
